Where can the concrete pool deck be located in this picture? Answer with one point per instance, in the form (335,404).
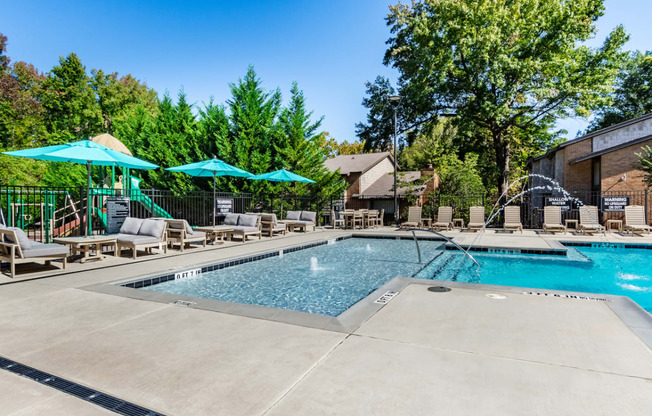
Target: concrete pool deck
(459,352)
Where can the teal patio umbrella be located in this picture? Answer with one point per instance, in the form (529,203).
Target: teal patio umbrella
(84,152)
(212,167)
(282,175)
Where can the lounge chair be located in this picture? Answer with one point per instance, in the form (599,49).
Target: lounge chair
(635,219)
(301,219)
(16,247)
(444,219)
(243,225)
(137,233)
(179,231)
(552,220)
(513,218)
(413,219)
(476,219)
(589,220)
(269,225)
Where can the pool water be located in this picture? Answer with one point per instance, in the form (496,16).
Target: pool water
(604,270)
(346,272)
(349,270)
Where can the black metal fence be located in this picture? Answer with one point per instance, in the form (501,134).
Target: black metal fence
(46,213)
(610,205)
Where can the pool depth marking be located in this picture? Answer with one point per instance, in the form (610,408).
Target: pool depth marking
(386,297)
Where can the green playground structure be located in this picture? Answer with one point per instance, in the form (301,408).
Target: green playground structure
(22,211)
(137,195)
(134,193)
(50,213)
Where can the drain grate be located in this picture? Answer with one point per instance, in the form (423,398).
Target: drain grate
(439,289)
(85,393)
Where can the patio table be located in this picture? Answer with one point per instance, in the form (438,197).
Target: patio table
(218,231)
(84,245)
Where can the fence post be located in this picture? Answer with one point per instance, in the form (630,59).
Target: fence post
(646,195)
(151,200)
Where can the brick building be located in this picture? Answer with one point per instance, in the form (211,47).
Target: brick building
(370,177)
(601,163)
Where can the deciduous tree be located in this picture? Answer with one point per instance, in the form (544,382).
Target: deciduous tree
(502,68)
(633,95)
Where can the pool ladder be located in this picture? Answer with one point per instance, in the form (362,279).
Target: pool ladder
(416,241)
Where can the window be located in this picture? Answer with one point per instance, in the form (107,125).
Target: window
(595,174)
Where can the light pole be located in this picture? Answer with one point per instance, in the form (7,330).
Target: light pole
(395,99)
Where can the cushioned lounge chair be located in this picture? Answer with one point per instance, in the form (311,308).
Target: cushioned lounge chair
(243,225)
(413,219)
(513,218)
(589,220)
(476,219)
(137,233)
(179,231)
(635,219)
(16,247)
(552,220)
(444,219)
(269,225)
(301,219)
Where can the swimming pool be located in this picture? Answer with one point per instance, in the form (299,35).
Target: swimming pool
(329,278)
(345,272)
(612,270)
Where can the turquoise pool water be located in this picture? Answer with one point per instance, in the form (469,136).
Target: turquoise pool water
(346,272)
(349,270)
(604,270)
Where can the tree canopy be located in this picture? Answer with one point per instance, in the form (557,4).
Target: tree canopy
(633,94)
(253,129)
(505,70)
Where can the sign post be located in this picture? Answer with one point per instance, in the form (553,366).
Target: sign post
(223,206)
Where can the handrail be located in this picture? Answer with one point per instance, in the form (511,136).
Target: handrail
(445,238)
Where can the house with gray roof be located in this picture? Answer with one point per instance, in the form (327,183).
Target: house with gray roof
(370,178)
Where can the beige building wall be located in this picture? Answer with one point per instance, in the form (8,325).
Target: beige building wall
(383,167)
(622,135)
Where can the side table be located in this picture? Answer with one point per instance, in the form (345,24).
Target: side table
(609,225)
(568,222)
(214,233)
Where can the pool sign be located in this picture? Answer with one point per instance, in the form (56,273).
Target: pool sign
(559,201)
(614,203)
(187,274)
(224,205)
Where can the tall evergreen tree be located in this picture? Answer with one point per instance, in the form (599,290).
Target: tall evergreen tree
(302,150)
(169,139)
(254,131)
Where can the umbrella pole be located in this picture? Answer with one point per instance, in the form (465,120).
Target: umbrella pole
(214,202)
(281,213)
(87,229)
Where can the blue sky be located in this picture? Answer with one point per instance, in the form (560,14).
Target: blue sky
(330,47)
